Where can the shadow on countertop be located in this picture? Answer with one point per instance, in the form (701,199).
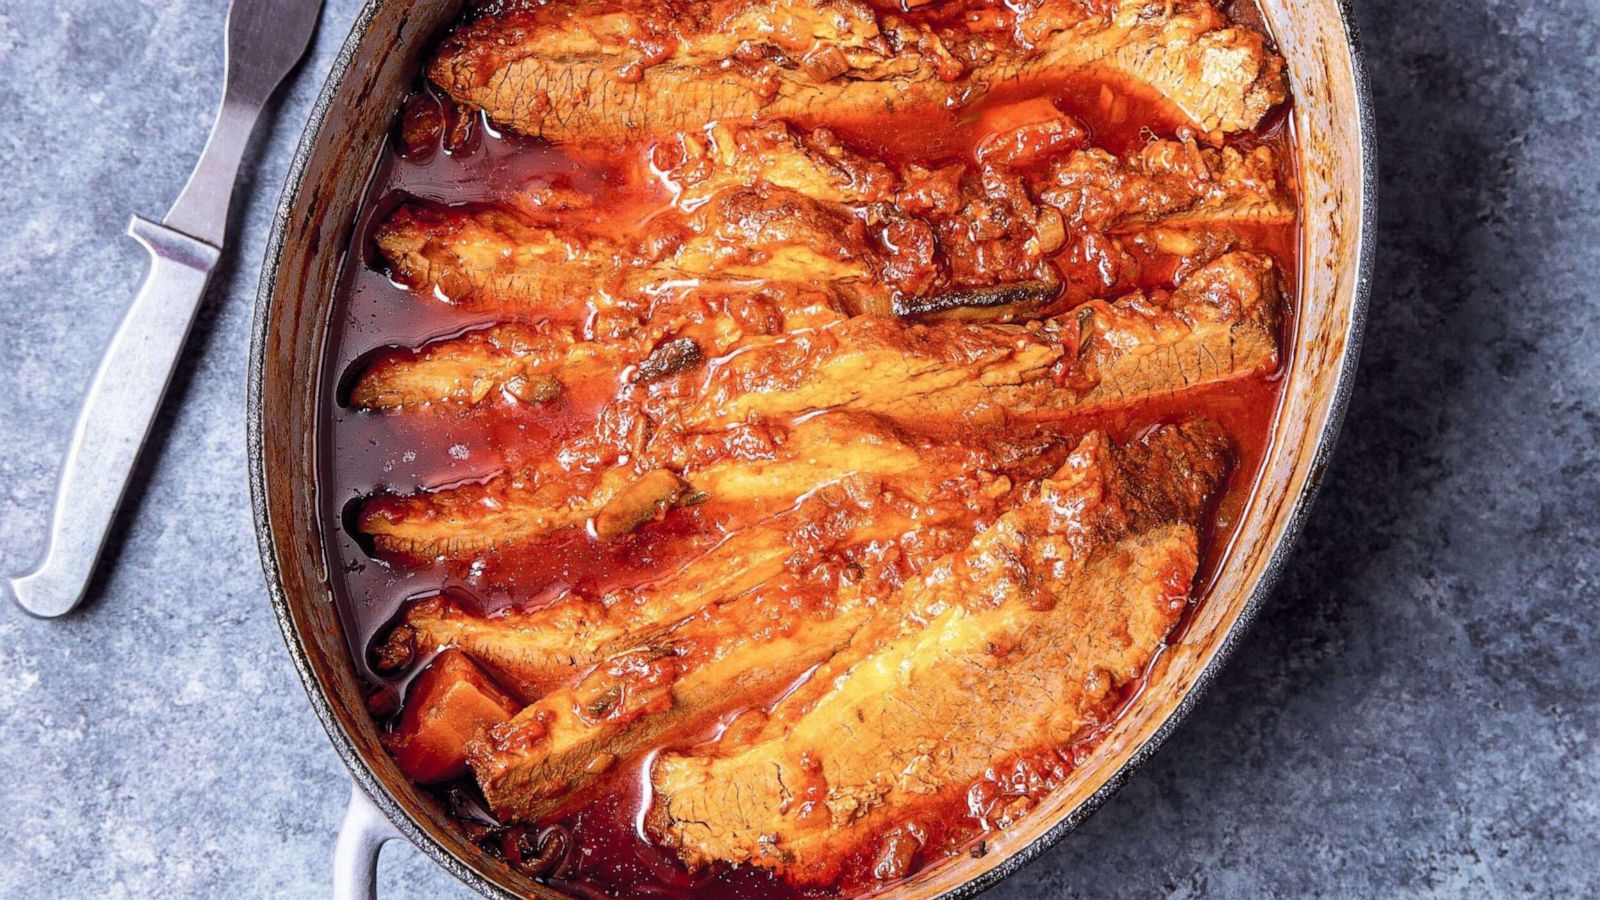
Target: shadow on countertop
(1413,711)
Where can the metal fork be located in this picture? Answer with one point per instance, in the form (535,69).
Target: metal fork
(266,38)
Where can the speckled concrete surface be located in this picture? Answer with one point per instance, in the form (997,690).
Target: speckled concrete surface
(1415,713)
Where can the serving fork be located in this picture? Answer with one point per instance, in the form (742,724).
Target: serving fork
(265,40)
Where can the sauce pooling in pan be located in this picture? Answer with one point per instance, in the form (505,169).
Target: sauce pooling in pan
(765,444)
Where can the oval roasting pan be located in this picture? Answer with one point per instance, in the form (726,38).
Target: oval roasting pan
(351,118)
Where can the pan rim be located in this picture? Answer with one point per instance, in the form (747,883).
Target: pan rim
(442,854)
(255,442)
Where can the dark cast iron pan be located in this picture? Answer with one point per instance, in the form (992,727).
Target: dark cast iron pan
(327,181)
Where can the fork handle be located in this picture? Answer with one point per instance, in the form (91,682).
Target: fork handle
(116,417)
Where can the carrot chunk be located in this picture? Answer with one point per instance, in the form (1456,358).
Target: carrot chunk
(450,704)
(1028,132)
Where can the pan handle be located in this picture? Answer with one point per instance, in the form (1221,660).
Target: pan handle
(355,855)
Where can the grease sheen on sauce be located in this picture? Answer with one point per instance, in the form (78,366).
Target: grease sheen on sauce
(362,453)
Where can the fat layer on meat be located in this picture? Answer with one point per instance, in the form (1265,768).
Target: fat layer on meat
(1017,645)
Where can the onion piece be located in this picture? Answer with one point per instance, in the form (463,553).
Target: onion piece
(825,62)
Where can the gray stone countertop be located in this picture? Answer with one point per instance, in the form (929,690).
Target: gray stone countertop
(1414,714)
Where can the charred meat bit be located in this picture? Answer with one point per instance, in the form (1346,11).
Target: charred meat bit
(397,651)
(668,359)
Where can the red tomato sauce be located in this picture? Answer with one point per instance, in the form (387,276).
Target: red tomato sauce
(599,848)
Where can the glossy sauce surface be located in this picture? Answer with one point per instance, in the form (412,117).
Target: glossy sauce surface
(599,848)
